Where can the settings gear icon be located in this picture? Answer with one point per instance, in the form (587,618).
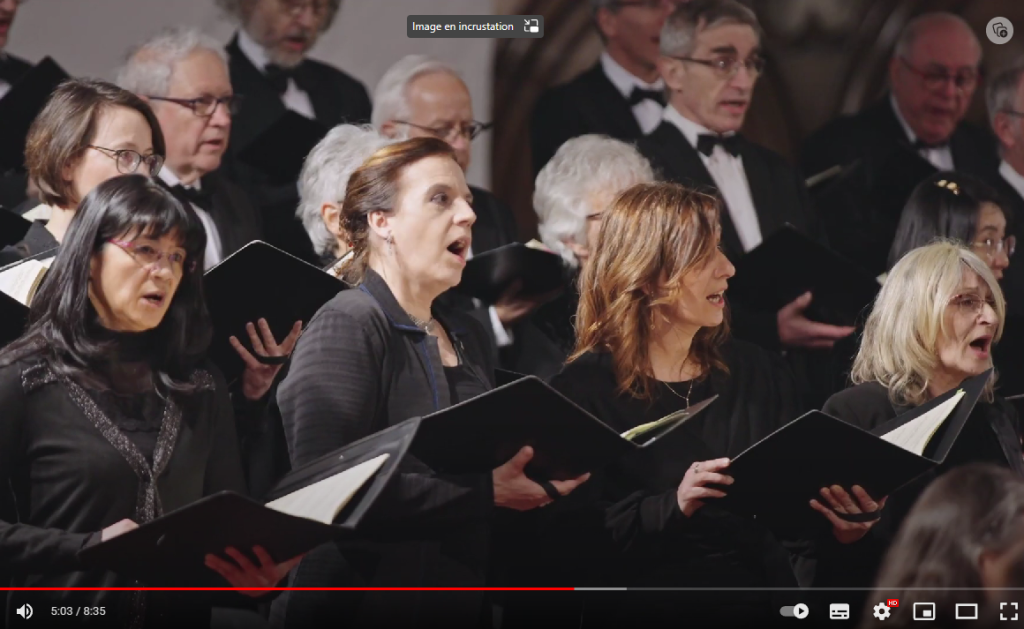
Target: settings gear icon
(882,611)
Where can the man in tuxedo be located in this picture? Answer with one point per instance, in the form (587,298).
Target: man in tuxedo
(183,75)
(270,69)
(422,97)
(711,59)
(869,163)
(12,185)
(621,95)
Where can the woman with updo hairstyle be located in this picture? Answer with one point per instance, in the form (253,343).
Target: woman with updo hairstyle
(378,354)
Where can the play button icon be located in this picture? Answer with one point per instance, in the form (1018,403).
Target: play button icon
(801,611)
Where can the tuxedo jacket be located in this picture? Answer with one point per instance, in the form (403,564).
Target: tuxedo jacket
(237,220)
(861,207)
(590,103)
(12,184)
(776,188)
(336,97)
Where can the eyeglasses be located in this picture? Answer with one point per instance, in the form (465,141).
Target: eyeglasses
(320,8)
(128,161)
(936,79)
(1010,112)
(205,106)
(993,248)
(449,132)
(150,256)
(972,303)
(728,67)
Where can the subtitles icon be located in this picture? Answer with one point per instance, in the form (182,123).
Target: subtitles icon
(924,611)
(839,611)
(1004,615)
(966,611)
(999,30)
(25,611)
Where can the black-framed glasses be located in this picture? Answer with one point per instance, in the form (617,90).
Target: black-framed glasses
(728,67)
(936,78)
(320,8)
(449,132)
(205,106)
(128,161)
(992,247)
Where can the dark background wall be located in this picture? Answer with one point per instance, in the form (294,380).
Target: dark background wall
(825,58)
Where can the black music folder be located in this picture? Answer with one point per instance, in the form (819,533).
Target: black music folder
(319,502)
(12,228)
(788,264)
(20,106)
(281,149)
(261,281)
(13,318)
(489,274)
(483,433)
(777,477)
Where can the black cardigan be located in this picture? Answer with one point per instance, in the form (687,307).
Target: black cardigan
(65,476)
(361,366)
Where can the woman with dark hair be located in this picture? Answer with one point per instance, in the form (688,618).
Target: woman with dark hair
(110,418)
(88,132)
(377,355)
(652,339)
(952,544)
(956,206)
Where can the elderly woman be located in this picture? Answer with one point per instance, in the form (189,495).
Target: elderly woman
(110,419)
(653,339)
(379,354)
(572,192)
(88,132)
(933,325)
(959,537)
(322,185)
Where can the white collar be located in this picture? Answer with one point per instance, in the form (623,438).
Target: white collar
(256,53)
(903,121)
(1012,177)
(623,79)
(168,177)
(690,129)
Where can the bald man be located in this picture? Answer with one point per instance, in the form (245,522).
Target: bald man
(868,164)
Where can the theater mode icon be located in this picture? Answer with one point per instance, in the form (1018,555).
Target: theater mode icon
(924,611)
(966,611)
(839,611)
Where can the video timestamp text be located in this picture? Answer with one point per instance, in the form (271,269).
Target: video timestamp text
(78,611)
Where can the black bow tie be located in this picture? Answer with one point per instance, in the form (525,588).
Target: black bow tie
(706,143)
(279,76)
(921,145)
(639,95)
(199,198)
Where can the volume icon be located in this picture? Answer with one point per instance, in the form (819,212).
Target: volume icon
(25,611)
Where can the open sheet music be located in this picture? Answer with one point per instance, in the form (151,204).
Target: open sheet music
(323,501)
(915,434)
(21,281)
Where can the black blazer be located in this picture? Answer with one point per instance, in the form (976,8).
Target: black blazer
(860,210)
(776,188)
(13,68)
(12,184)
(361,366)
(238,222)
(590,103)
(336,98)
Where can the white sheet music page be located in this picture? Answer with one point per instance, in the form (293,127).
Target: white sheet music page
(915,435)
(323,500)
(21,281)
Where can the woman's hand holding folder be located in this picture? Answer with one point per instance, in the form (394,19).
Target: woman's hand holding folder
(514,490)
(259,375)
(839,500)
(692,491)
(244,574)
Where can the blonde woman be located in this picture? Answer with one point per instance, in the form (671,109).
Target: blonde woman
(933,325)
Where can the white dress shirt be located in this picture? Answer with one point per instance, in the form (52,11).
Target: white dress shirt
(646,112)
(1012,177)
(214,249)
(4,88)
(502,337)
(941,158)
(730,177)
(293,98)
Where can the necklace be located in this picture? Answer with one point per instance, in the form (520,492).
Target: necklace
(420,323)
(676,393)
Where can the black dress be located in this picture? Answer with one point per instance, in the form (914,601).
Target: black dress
(76,458)
(654,544)
(992,434)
